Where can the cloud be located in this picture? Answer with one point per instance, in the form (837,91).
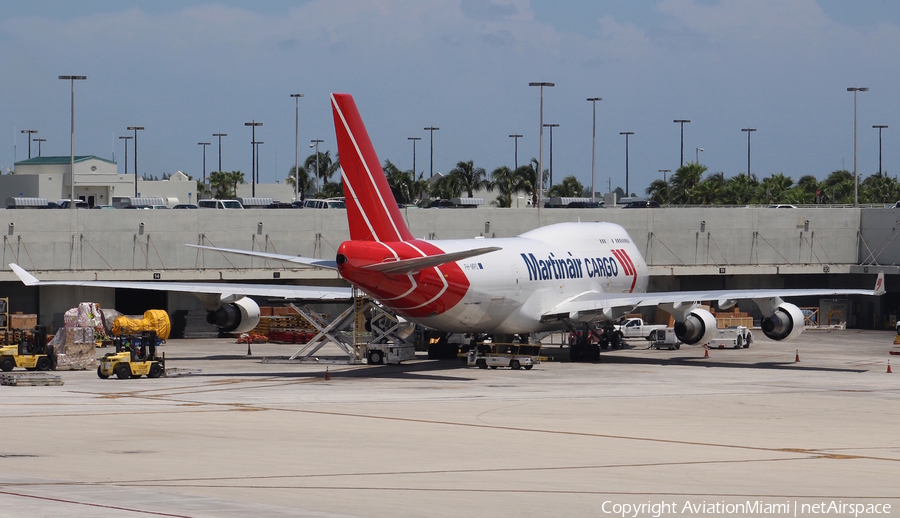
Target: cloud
(485,10)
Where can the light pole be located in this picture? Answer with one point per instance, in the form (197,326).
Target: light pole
(540,172)
(665,181)
(220,135)
(126,139)
(877,126)
(516,137)
(29,132)
(315,142)
(697,159)
(414,139)
(296,145)
(39,140)
(682,122)
(256,145)
(204,144)
(551,126)
(627,134)
(855,89)
(432,129)
(136,129)
(749,131)
(253,124)
(72,79)
(593,101)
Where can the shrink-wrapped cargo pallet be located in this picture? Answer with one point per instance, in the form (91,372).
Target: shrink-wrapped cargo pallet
(72,348)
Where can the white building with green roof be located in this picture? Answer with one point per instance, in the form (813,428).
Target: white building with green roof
(96,181)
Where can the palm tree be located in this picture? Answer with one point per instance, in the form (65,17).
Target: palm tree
(708,192)
(507,183)
(236,177)
(527,179)
(740,189)
(658,191)
(306,182)
(325,168)
(446,187)
(471,178)
(839,186)
(775,187)
(685,179)
(406,188)
(570,187)
(220,182)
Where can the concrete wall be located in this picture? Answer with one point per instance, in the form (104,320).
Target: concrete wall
(148,240)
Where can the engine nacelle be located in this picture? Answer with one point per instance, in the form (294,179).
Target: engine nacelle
(785,323)
(239,316)
(698,327)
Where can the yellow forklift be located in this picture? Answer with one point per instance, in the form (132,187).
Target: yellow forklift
(30,353)
(135,356)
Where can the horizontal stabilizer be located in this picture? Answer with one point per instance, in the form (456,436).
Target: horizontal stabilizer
(416,264)
(296,259)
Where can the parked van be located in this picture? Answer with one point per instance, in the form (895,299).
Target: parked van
(219,204)
(324,204)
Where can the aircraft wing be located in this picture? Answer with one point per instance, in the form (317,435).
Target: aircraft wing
(296,259)
(595,302)
(418,263)
(224,289)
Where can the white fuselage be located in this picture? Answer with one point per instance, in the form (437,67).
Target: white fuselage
(510,289)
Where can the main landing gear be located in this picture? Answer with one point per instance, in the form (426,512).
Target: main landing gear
(585,343)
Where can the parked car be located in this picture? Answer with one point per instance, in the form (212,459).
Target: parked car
(103,207)
(585,205)
(279,205)
(642,204)
(185,206)
(782,206)
(65,204)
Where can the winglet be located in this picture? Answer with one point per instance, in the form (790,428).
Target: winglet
(879,285)
(26,278)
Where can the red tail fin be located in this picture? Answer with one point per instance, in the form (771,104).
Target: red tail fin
(371,208)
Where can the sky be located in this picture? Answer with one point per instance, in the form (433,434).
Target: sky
(185,70)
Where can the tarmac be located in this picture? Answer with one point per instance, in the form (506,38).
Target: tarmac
(642,432)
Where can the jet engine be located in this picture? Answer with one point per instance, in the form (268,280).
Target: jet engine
(697,327)
(785,323)
(239,316)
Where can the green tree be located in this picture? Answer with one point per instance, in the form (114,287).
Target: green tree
(658,191)
(507,183)
(740,189)
(569,187)
(470,178)
(326,166)
(684,181)
(307,183)
(221,183)
(775,187)
(446,187)
(838,187)
(709,191)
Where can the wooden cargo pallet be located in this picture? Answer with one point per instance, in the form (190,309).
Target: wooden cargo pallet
(31,379)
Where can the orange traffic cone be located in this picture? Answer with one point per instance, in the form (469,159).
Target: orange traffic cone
(889,367)
(706,351)
(327,375)
(797,358)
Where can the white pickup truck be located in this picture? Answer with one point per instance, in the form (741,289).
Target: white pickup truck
(636,328)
